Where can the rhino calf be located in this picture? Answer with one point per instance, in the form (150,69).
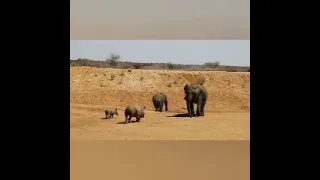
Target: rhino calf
(110,113)
(134,111)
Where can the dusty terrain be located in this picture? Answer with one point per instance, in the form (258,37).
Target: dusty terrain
(227,113)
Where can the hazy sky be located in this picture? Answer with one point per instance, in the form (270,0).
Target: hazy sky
(228,52)
(159,19)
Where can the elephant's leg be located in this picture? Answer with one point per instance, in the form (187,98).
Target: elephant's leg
(166,104)
(198,109)
(155,106)
(126,120)
(129,120)
(161,106)
(189,108)
(192,109)
(202,108)
(199,105)
(138,119)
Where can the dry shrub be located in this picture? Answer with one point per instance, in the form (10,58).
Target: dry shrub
(123,66)
(201,80)
(114,62)
(112,77)
(212,64)
(193,68)
(137,65)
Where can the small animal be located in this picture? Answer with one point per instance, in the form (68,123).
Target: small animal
(134,111)
(110,113)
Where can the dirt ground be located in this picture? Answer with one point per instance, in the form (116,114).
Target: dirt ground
(227,113)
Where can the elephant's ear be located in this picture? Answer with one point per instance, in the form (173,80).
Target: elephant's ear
(187,88)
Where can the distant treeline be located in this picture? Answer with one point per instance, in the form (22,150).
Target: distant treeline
(209,66)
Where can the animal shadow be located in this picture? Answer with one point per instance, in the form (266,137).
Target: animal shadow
(107,118)
(180,115)
(125,123)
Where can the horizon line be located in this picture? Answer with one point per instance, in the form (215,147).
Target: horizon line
(126,61)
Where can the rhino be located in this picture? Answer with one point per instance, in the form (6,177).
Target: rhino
(110,113)
(134,111)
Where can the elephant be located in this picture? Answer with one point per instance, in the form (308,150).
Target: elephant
(195,94)
(134,111)
(158,101)
(110,113)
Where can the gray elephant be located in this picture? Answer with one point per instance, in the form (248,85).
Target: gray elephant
(158,101)
(134,111)
(195,94)
(110,113)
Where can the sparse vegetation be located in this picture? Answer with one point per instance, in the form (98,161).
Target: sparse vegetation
(113,61)
(201,81)
(212,64)
(141,78)
(121,74)
(112,77)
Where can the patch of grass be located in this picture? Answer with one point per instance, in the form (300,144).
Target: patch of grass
(112,77)
(122,73)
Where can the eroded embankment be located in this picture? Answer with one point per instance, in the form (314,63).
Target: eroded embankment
(228,91)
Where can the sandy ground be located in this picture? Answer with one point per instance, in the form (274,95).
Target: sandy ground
(227,113)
